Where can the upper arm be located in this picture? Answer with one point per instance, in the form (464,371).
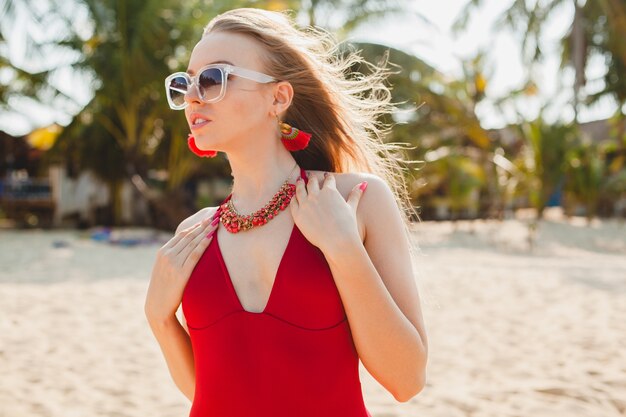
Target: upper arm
(388,246)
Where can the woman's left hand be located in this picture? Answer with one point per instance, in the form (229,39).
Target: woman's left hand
(323,216)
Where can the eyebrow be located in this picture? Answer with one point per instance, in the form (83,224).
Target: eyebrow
(190,72)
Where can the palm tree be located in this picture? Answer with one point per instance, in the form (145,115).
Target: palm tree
(436,116)
(17,18)
(543,158)
(126,53)
(585,171)
(343,16)
(132,45)
(597,28)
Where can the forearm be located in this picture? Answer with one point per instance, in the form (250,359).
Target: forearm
(176,347)
(389,345)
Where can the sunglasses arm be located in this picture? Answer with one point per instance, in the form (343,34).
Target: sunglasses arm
(250,75)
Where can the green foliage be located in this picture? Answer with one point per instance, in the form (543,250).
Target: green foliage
(544,159)
(128,47)
(585,174)
(595,172)
(436,115)
(19,81)
(600,24)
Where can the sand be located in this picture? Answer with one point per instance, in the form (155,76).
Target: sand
(512,332)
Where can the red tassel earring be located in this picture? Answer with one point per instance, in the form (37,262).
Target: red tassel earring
(191,142)
(293,138)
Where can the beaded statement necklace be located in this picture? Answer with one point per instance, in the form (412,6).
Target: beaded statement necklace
(235,222)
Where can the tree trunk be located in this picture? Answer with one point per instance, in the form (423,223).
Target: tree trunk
(115,191)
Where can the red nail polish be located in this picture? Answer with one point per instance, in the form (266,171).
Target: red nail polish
(215,221)
(363,185)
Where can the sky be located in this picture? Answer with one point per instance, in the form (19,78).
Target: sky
(437,46)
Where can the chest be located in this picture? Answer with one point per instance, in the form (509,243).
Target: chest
(300,290)
(253,258)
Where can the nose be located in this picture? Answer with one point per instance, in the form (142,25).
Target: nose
(191,96)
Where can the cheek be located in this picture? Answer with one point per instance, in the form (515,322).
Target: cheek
(247,110)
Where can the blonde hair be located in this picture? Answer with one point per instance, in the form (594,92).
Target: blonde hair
(339,107)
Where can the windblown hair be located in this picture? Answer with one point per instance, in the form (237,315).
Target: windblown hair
(339,107)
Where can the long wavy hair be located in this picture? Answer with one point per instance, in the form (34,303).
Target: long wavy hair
(342,109)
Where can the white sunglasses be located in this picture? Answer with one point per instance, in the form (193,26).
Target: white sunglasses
(210,82)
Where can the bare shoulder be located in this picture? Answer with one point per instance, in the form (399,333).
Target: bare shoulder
(196,218)
(346,181)
(377,196)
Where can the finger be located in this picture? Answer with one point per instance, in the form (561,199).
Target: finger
(194,250)
(182,233)
(193,256)
(200,224)
(355,194)
(199,231)
(313,187)
(329,181)
(294,206)
(191,253)
(301,193)
(213,229)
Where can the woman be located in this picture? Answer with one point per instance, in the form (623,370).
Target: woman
(280,305)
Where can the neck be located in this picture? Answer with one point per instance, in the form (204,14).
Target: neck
(258,173)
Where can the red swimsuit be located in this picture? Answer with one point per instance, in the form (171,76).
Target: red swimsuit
(294,359)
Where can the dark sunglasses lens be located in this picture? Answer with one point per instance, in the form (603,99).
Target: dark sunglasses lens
(177,89)
(210,82)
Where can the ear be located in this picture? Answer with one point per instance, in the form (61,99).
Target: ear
(283,94)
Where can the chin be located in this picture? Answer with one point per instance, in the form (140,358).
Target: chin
(206,142)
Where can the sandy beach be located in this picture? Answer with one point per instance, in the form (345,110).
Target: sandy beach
(512,332)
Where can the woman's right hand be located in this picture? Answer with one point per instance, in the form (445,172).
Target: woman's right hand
(173,266)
